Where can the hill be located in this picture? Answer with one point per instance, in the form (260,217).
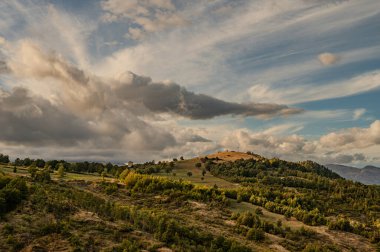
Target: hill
(225,156)
(369,175)
(244,202)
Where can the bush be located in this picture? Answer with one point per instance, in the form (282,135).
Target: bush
(340,224)
(12,192)
(255,234)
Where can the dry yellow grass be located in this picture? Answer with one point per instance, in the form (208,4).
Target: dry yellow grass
(231,156)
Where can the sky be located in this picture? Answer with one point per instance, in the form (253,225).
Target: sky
(119,80)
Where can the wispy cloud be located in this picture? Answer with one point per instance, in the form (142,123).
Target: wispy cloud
(358,113)
(306,93)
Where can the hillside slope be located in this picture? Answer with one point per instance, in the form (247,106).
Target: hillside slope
(244,202)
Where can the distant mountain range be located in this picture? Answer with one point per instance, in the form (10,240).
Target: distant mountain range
(369,175)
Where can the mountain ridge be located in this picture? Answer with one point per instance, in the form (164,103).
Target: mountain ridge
(369,175)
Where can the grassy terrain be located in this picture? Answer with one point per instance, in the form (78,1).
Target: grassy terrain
(181,169)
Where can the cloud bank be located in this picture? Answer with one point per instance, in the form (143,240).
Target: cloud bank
(345,146)
(83,109)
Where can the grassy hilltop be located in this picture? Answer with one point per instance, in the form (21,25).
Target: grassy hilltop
(227,201)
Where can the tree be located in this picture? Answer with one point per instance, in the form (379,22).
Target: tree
(40,163)
(99,168)
(109,166)
(27,162)
(18,162)
(189,174)
(198,165)
(181,158)
(14,169)
(61,171)
(4,158)
(104,174)
(208,165)
(203,172)
(32,170)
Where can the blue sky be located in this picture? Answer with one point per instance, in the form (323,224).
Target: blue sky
(318,62)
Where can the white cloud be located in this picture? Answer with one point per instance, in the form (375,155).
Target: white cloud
(328,58)
(358,113)
(353,137)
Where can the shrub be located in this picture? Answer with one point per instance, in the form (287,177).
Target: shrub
(255,234)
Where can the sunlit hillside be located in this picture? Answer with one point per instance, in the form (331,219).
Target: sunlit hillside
(227,201)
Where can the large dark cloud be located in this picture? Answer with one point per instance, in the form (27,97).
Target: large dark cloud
(88,92)
(171,97)
(32,120)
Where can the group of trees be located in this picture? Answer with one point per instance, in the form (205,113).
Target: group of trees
(75,167)
(29,162)
(151,167)
(139,183)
